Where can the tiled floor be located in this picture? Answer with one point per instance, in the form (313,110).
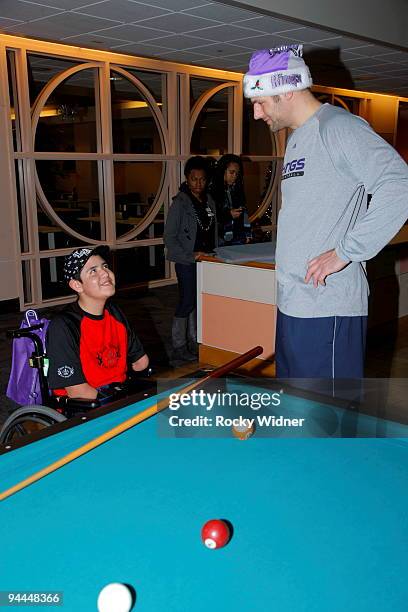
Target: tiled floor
(151,312)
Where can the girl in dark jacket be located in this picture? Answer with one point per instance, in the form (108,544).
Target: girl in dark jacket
(190,231)
(227,189)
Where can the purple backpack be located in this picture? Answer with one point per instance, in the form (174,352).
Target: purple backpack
(24,384)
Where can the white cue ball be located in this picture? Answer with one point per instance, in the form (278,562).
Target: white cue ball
(115,597)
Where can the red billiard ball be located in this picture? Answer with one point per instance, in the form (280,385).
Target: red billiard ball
(215,533)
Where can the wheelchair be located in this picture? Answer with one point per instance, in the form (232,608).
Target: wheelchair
(28,422)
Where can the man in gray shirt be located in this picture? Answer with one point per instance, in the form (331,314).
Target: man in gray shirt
(326,230)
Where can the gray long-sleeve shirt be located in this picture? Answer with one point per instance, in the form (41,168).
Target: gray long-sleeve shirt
(332,162)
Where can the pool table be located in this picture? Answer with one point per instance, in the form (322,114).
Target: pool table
(320,522)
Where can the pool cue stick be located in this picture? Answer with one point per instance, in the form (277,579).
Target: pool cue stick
(129,423)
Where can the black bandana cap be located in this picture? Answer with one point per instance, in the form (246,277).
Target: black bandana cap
(75,261)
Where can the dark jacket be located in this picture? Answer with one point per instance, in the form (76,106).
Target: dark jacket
(181,229)
(232,231)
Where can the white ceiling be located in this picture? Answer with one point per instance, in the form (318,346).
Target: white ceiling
(209,34)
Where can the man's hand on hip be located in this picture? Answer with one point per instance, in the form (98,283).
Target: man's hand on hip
(320,267)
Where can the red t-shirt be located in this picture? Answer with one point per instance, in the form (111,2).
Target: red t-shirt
(95,349)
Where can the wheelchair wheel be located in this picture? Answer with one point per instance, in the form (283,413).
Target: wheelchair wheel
(28,420)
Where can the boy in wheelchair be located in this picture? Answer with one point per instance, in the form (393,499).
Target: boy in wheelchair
(90,344)
(90,348)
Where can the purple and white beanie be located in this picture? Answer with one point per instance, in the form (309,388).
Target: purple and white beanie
(275,71)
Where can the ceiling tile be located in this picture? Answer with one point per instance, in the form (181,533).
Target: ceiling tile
(240,58)
(225,33)
(185,57)
(221,12)
(345,42)
(8,23)
(219,49)
(93,40)
(179,42)
(264,41)
(383,82)
(222,63)
(142,49)
(121,10)
(362,62)
(362,75)
(310,35)
(363,50)
(400,77)
(66,5)
(337,44)
(398,70)
(62,25)
(178,23)
(269,25)
(131,33)
(396,56)
(24,11)
(375,69)
(374,50)
(177,5)
(243,67)
(349,54)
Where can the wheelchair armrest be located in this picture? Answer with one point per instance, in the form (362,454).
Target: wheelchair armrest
(137,382)
(146,373)
(76,404)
